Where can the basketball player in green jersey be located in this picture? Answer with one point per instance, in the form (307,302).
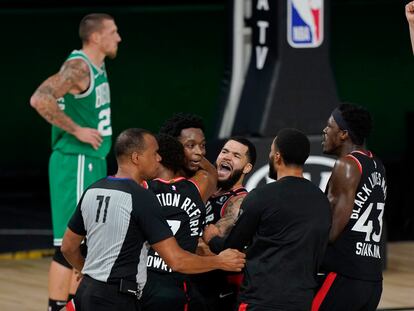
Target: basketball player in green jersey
(76,101)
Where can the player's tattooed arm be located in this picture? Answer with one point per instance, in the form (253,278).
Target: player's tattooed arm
(231,213)
(68,79)
(74,78)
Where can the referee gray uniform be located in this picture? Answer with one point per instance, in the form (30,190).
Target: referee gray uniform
(120,220)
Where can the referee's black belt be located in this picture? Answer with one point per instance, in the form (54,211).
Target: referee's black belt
(122,285)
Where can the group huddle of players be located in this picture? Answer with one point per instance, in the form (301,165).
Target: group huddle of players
(197,194)
(193,194)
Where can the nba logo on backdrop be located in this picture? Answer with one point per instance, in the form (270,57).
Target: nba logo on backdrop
(305,23)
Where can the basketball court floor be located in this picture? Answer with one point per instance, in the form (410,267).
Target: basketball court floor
(23,282)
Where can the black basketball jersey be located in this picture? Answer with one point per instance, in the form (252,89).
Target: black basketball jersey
(216,205)
(184,211)
(118,217)
(357,253)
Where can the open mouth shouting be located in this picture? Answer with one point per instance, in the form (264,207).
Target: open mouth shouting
(224,170)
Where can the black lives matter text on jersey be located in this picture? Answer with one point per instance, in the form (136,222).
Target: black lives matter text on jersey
(369,215)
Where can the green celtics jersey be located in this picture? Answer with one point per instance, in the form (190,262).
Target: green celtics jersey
(89,109)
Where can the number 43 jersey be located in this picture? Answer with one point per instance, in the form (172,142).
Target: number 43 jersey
(357,253)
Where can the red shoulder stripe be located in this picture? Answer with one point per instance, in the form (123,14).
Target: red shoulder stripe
(366,153)
(356,160)
(170,181)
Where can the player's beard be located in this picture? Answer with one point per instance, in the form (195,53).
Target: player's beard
(231,181)
(272,171)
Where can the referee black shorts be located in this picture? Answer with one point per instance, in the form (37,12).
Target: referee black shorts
(93,295)
(341,293)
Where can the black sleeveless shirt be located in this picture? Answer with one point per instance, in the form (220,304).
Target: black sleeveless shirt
(357,253)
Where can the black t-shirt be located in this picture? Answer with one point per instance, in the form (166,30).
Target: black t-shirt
(184,211)
(118,217)
(357,253)
(285,225)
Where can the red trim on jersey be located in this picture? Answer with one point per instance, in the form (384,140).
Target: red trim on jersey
(243,307)
(144,184)
(185,292)
(356,161)
(70,306)
(170,181)
(365,153)
(195,184)
(234,190)
(323,291)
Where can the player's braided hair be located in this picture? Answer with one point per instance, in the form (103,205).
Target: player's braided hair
(358,119)
(180,121)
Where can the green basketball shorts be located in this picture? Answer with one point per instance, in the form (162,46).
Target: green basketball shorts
(69,176)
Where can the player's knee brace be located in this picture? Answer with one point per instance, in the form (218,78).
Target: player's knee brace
(59,258)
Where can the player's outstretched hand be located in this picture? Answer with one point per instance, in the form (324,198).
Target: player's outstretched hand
(232,260)
(89,136)
(409,12)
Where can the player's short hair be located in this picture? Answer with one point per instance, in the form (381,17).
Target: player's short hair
(251,149)
(179,122)
(358,120)
(293,145)
(129,141)
(92,23)
(171,152)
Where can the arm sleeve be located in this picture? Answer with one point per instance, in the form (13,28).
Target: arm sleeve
(149,217)
(244,228)
(76,223)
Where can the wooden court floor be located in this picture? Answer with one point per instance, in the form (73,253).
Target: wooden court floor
(23,282)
